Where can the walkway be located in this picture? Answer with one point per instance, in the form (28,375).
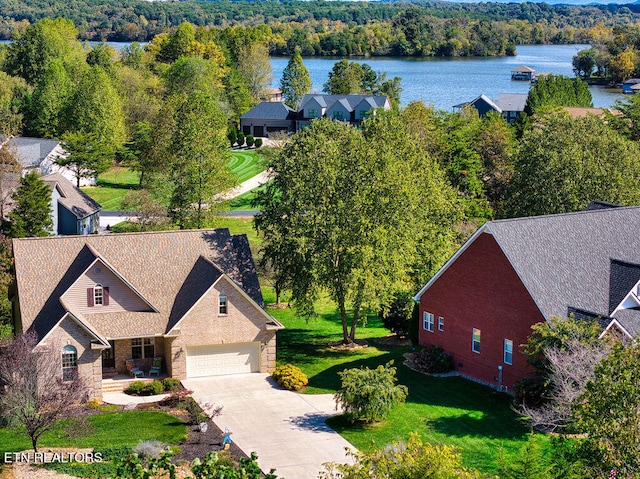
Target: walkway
(245,186)
(287,430)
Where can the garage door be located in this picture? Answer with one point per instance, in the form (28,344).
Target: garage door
(223,359)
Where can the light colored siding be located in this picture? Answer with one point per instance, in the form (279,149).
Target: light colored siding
(121,297)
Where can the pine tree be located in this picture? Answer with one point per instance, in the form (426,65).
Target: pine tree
(295,82)
(32,214)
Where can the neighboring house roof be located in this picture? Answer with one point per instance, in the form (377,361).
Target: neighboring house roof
(347,100)
(580,112)
(572,261)
(169,271)
(32,152)
(523,69)
(272,110)
(512,101)
(631,81)
(72,198)
(480,99)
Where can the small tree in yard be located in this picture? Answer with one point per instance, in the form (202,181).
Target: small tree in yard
(232,136)
(397,316)
(250,141)
(258,142)
(33,393)
(240,138)
(368,395)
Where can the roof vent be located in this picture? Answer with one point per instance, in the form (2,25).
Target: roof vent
(97,270)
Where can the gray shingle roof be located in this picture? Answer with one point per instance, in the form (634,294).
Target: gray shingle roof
(565,260)
(350,100)
(72,198)
(169,269)
(31,151)
(272,110)
(512,101)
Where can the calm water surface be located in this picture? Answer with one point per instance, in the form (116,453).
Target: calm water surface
(447,82)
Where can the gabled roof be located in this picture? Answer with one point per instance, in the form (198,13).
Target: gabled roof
(72,198)
(169,269)
(481,99)
(351,100)
(269,110)
(512,101)
(565,260)
(343,103)
(31,151)
(523,69)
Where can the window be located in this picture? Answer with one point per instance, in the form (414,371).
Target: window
(362,114)
(222,304)
(440,323)
(427,321)
(69,363)
(142,348)
(98,295)
(508,351)
(338,115)
(475,345)
(312,113)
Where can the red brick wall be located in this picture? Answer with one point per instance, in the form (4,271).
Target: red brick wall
(481,290)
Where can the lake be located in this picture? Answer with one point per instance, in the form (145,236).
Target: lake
(444,82)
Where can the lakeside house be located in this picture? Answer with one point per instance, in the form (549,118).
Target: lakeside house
(270,117)
(522,73)
(188,300)
(511,274)
(509,105)
(631,86)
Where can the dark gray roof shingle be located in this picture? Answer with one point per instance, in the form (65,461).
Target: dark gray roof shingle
(271,110)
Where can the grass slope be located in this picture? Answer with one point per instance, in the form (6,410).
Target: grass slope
(116,183)
(475,419)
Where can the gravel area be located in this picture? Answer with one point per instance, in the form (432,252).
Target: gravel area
(25,470)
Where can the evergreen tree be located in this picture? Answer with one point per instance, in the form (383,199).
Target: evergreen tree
(295,82)
(32,214)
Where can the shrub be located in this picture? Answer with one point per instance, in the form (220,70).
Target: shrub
(152,449)
(290,377)
(396,318)
(433,359)
(136,388)
(368,395)
(250,141)
(258,142)
(151,389)
(196,414)
(170,384)
(177,397)
(92,404)
(232,136)
(240,138)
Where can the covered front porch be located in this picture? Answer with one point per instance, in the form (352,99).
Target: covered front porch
(142,351)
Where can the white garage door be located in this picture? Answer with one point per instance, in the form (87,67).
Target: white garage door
(223,359)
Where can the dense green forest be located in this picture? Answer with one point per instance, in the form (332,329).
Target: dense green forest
(336,28)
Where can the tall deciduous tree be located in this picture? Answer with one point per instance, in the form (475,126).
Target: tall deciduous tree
(352,208)
(295,82)
(34,396)
(344,78)
(32,213)
(254,65)
(10,173)
(564,163)
(52,91)
(87,156)
(96,108)
(199,160)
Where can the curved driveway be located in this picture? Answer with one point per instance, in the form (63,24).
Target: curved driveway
(287,430)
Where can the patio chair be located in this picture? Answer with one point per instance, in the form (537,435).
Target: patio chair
(133,369)
(155,367)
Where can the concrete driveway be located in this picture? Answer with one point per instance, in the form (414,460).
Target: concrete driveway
(285,429)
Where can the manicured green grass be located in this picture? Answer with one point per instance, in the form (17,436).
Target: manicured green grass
(116,183)
(475,419)
(246,164)
(108,430)
(243,202)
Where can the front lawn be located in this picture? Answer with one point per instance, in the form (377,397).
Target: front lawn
(108,430)
(245,164)
(475,419)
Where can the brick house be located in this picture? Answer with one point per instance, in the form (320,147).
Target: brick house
(480,306)
(189,297)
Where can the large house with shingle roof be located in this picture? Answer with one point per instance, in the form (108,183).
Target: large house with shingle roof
(509,105)
(191,298)
(480,306)
(270,117)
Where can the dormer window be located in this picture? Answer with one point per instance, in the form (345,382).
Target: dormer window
(222,304)
(98,295)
